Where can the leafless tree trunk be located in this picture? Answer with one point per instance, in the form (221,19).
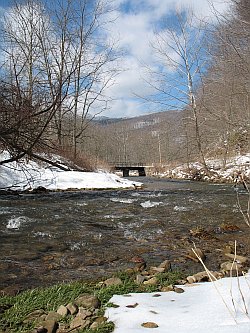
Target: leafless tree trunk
(180,53)
(50,68)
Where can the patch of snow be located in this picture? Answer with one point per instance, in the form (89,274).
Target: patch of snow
(208,307)
(235,167)
(27,175)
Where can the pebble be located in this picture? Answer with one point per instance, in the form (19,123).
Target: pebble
(53,316)
(41,330)
(62,310)
(228,266)
(168,288)
(51,326)
(88,301)
(83,313)
(239,259)
(149,324)
(151,282)
(132,305)
(78,322)
(113,282)
(178,290)
(98,321)
(73,308)
(139,279)
(166,264)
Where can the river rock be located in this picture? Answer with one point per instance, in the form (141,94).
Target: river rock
(88,301)
(178,290)
(83,313)
(51,326)
(166,264)
(72,308)
(168,288)
(62,310)
(193,256)
(114,281)
(63,328)
(139,279)
(203,277)
(239,259)
(191,279)
(79,323)
(52,315)
(98,321)
(151,282)
(41,329)
(229,266)
(155,270)
(34,315)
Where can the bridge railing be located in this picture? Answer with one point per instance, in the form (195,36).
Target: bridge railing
(126,164)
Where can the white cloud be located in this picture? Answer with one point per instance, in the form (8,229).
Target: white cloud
(134,25)
(134,28)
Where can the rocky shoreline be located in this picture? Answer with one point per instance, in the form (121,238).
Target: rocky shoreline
(236,170)
(86,310)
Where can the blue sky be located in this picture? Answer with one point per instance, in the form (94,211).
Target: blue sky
(134,26)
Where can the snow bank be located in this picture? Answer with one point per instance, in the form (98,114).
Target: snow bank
(236,166)
(25,175)
(209,307)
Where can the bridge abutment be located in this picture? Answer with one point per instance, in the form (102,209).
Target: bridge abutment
(125,170)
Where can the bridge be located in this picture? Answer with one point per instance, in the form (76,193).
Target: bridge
(125,167)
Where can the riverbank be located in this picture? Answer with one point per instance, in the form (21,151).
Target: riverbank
(234,170)
(154,296)
(31,176)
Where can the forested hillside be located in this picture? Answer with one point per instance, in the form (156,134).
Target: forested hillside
(55,70)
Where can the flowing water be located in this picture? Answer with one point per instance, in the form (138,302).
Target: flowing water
(86,235)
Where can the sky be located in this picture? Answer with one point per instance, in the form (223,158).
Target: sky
(133,29)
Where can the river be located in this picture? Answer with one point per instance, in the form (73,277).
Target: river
(55,237)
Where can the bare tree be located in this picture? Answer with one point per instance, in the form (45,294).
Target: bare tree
(224,100)
(53,62)
(179,50)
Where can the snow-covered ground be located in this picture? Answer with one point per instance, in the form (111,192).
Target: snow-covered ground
(209,307)
(239,165)
(28,175)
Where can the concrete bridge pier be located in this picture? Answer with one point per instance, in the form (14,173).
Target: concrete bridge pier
(142,172)
(126,168)
(125,172)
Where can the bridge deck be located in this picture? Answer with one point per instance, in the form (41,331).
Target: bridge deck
(126,167)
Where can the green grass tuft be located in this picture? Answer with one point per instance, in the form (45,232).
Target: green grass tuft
(49,299)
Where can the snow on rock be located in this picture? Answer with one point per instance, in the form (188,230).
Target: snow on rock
(235,167)
(25,175)
(209,307)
